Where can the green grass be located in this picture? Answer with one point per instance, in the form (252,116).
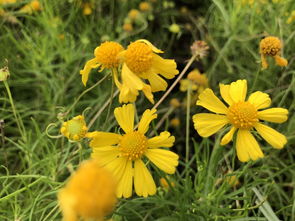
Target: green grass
(45,82)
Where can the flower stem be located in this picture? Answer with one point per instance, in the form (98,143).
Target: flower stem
(111,101)
(188,107)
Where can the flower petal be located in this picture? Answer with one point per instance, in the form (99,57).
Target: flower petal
(224,91)
(147,90)
(144,184)
(127,94)
(164,140)
(100,139)
(208,124)
(166,160)
(166,67)
(247,147)
(208,100)
(125,117)
(130,79)
(146,119)
(105,155)
(117,167)
(238,90)
(259,100)
(228,136)
(276,115)
(273,137)
(157,83)
(154,49)
(125,184)
(87,68)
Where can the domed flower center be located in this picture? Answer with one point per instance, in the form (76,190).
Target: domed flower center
(133,145)
(242,115)
(74,129)
(138,57)
(270,46)
(106,54)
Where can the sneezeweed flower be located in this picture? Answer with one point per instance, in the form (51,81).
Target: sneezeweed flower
(123,154)
(291,18)
(199,49)
(31,7)
(271,46)
(89,194)
(175,103)
(243,116)
(106,56)
(74,129)
(142,62)
(87,8)
(175,122)
(199,82)
(165,184)
(133,14)
(145,6)
(128,27)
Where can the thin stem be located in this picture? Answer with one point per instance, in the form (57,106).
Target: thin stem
(175,82)
(255,80)
(111,101)
(188,105)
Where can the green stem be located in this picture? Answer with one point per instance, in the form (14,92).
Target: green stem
(255,80)
(111,101)
(188,107)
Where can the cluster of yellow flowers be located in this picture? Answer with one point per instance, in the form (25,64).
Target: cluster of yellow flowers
(119,160)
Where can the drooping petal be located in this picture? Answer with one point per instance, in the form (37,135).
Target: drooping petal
(166,67)
(125,117)
(224,91)
(125,184)
(273,137)
(105,155)
(87,68)
(238,90)
(147,90)
(127,94)
(144,184)
(228,136)
(208,100)
(259,100)
(247,147)
(166,160)
(154,49)
(146,119)
(276,115)
(130,79)
(100,139)
(163,140)
(117,167)
(157,83)
(208,124)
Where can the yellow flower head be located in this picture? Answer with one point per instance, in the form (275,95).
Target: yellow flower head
(174,102)
(243,116)
(165,184)
(123,154)
(31,7)
(133,14)
(89,193)
(74,129)
(271,46)
(142,62)
(127,27)
(291,18)
(106,56)
(4,2)
(87,8)
(175,122)
(197,80)
(145,6)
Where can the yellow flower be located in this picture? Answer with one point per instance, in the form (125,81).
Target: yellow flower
(165,184)
(271,46)
(243,116)
(291,18)
(174,102)
(31,7)
(141,61)
(133,14)
(74,129)
(175,122)
(4,2)
(106,56)
(89,194)
(123,154)
(144,6)
(199,82)
(127,27)
(174,28)
(87,8)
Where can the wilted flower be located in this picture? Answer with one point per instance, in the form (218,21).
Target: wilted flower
(199,49)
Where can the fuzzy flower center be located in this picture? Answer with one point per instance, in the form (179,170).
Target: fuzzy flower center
(242,115)
(270,46)
(138,57)
(133,145)
(74,129)
(107,54)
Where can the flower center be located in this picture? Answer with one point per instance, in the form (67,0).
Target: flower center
(106,54)
(133,145)
(270,46)
(74,129)
(138,57)
(242,115)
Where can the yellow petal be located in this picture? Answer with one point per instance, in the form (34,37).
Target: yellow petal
(147,90)
(166,67)
(87,68)
(208,124)
(273,137)
(264,63)
(144,184)
(125,117)
(146,119)
(156,50)
(130,79)
(103,139)
(127,94)
(117,167)
(260,100)
(105,155)
(276,115)
(166,160)
(208,100)
(228,136)
(157,83)
(224,91)
(247,147)
(125,184)
(238,90)
(282,62)
(164,140)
